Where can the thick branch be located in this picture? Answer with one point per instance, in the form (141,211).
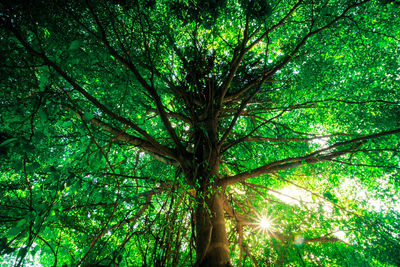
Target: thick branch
(77,87)
(158,152)
(312,158)
(283,139)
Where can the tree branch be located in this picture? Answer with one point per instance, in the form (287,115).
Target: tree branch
(280,23)
(283,139)
(159,152)
(149,88)
(311,158)
(268,74)
(240,140)
(77,87)
(51,248)
(234,64)
(238,113)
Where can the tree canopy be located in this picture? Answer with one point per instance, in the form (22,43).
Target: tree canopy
(200,133)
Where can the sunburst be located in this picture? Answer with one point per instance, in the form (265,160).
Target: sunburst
(264,224)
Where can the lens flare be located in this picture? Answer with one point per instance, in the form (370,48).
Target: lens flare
(265,223)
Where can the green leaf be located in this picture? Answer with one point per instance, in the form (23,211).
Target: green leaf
(3,243)
(282,80)
(22,252)
(8,141)
(74,45)
(18,228)
(42,115)
(88,116)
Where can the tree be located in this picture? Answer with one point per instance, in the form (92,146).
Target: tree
(205,133)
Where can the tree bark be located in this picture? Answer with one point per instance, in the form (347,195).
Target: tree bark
(212,247)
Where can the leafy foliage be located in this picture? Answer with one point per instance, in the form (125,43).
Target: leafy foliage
(162,132)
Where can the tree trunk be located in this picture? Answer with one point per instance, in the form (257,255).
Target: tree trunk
(211,241)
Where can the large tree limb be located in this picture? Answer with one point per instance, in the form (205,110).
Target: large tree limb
(288,139)
(159,152)
(77,87)
(151,68)
(308,104)
(317,156)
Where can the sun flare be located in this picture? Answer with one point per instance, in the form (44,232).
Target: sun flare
(265,223)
